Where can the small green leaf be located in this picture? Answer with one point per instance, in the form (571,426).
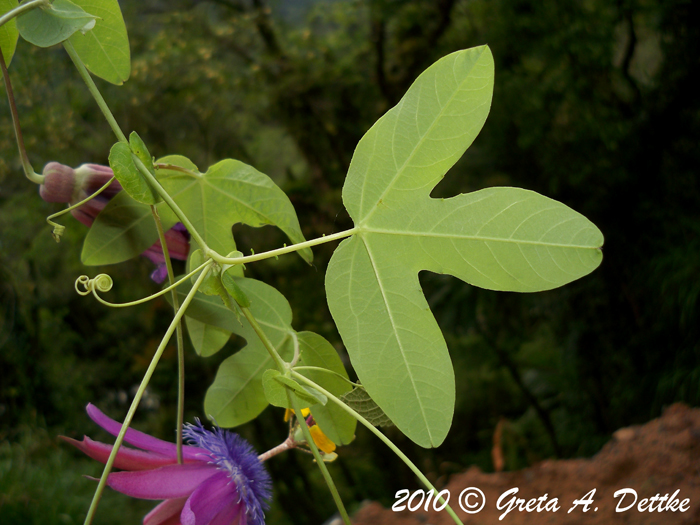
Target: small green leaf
(229,192)
(105,49)
(138,147)
(131,179)
(358,399)
(206,339)
(277,389)
(8,33)
(53,23)
(123,230)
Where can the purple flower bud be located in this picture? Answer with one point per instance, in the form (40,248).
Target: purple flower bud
(65,184)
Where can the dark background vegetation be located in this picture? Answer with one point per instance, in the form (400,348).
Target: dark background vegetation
(594,105)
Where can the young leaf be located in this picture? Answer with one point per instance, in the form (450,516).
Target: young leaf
(206,339)
(53,23)
(105,49)
(500,239)
(123,230)
(138,147)
(131,179)
(8,32)
(277,387)
(228,193)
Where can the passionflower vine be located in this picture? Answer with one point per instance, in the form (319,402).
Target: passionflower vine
(65,184)
(221,482)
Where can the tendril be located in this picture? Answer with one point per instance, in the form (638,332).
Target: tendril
(101,283)
(58,229)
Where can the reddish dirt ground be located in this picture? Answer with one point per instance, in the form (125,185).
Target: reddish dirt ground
(654,459)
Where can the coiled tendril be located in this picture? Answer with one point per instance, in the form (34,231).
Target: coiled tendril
(101,283)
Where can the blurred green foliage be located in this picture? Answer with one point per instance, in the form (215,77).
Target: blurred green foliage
(594,105)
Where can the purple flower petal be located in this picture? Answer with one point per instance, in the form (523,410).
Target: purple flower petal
(127,458)
(166,513)
(172,481)
(159,274)
(232,514)
(141,440)
(211,497)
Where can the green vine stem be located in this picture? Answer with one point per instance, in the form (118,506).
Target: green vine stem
(82,70)
(381,436)
(178,336)
(281,365)
(20,10)
(58,229)
(319,460)
(91,286)
(26,165)
(139,394)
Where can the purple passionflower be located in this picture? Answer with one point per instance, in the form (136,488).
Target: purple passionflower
(65,184)
(221,482)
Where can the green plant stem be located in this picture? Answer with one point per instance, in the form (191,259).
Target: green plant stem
(155,184)
(281,251)
(82,70)
(139,394)
(281,365)
(26,165)
(382,437)
(178,337)
(319,460)
(20,10)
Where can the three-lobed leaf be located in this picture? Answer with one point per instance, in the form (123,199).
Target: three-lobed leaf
(8,32)
(229,192)
(53,23)
(500,239)
(105,49)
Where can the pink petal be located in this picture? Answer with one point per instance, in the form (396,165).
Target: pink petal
(165,513)
(127,458)
(233,514)
(171,481)
(144,441)
(213,496)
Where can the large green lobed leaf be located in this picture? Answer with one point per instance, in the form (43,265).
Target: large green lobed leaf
(105,49)
(499,238)
(228,193)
